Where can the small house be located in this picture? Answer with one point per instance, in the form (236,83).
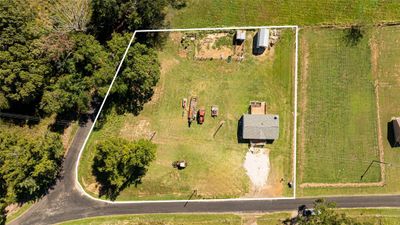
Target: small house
(260,128)
(263,38)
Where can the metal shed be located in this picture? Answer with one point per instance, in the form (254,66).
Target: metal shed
(240,35)
(263,38)
(260,127)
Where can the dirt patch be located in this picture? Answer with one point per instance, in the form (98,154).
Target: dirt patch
(222,53)
(166,66)
(12,208)
(341,185)
(267,55)
(209,50)
(176,37)
(375,73)
(140,129)
(303,102)
(249,219)
(94,188)
(66,137)
(257,167)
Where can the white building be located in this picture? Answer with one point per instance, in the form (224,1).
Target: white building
(263,38)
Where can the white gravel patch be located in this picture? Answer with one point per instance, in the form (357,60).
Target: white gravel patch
(257,167)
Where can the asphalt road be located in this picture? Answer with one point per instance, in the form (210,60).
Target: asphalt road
(64,202)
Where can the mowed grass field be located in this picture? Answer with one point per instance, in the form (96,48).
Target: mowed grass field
(208,13)
(338,120)
(384,66)
(215,164)
(388,216)
(166,219)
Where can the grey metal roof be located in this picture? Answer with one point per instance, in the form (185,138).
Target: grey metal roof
(263,38)
(260,127)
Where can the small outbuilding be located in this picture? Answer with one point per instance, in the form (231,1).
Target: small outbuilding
(263,38)
(240,35)
(257,107)
(396,130)
(258,127)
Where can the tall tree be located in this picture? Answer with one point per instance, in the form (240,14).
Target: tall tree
(71,15)
(22,66)
(139,73)
(125,16)
(118,163)
(76,85)
(28,166)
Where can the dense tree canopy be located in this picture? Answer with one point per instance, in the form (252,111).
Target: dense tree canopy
(22,66)
(118,163)
(62,70)
(28,166)
(74,86)
(120,16)
(51,64)
(139,74)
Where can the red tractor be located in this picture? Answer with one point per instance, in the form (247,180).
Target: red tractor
(200,115)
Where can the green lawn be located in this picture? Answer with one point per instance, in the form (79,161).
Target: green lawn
(165,219)
(384,66)
(215,164)
(388,216)
(338,129)
(208,13)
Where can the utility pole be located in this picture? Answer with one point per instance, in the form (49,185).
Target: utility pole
(372,162)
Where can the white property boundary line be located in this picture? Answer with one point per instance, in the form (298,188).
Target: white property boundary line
(83,192)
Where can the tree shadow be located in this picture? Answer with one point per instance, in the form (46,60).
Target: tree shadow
(239,133)
(111,191)
(353,35)
(259,50)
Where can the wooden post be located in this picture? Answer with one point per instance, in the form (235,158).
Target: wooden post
(219,127)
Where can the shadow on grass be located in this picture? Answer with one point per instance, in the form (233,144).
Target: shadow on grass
(390,135)
(259,50)
(112,191)
(239,133)
(353,35)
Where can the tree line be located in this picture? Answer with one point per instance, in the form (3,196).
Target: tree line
(67,66)
(59,57)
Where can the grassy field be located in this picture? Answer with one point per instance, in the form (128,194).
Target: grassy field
(337,134)
(388,216)
(215,164)
(384,53)
(208,13)
(164,219)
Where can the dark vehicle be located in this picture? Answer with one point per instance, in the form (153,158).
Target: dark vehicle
(306,212)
